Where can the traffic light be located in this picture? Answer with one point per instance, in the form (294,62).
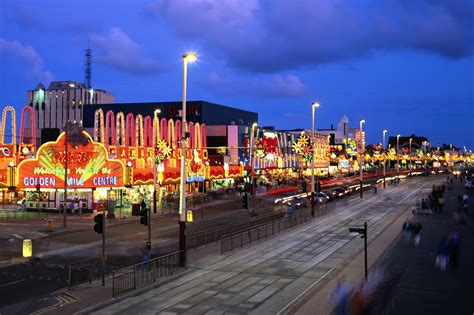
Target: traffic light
(144,216)
(317,186)
(99,223)
(245,201)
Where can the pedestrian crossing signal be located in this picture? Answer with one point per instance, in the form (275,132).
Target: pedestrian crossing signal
(99,223)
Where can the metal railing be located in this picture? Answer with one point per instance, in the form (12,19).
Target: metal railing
(254,234)
(128,279)
(208,236)
(80,272)
(257,232)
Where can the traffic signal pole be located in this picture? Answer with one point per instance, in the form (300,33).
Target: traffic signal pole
(103,251)
(149,229)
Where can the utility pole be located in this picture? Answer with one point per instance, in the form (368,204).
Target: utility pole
(103,250)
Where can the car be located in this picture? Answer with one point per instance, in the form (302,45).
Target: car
(340,192)
(329,194)
(321,197)
(297,202)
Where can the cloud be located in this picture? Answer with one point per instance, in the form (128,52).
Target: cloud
(117,50)
(275,86)
(36,70)
(275,35)
(279,86)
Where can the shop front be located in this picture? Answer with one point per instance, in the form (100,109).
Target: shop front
(92,179)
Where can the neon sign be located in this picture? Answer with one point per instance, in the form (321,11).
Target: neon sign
(88,166)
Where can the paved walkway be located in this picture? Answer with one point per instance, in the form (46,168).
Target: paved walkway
(275,275)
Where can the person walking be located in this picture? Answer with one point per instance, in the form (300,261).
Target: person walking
(417,233)
(454,243)
(340,296)
(442,258)
(407,226)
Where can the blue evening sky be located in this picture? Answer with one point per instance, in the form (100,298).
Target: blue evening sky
(406,66)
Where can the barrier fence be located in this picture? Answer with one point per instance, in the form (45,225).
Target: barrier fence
(212,235)
(80,272)
(128,279)
(253,234)
(257,232)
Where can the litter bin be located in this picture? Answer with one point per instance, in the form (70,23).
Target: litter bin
(49,225)
(27,248)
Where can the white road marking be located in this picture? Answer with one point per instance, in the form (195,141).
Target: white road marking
(13,282)
(18,236)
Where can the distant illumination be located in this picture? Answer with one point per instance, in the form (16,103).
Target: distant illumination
(190,57)
(91,95)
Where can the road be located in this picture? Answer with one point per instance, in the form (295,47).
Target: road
(270,276)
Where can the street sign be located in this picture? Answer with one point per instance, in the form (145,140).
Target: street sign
(189,216)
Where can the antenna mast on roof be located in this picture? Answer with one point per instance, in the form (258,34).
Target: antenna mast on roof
(88,65)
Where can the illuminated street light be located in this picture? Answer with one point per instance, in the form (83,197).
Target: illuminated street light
(398,162)
(187,58)
(362,121)
(314,105)
(410,141)
(384,155)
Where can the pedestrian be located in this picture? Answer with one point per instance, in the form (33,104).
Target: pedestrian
(340,296)
(416,229)
(454,243)
(442,257)
(407,231)
(375,190)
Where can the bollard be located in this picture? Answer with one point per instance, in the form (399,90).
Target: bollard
(49,225)
(27,248)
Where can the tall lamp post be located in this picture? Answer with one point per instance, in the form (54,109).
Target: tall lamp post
(68,107)
(383,150)
(155,165)
(361,122)
(398,162)
(188,57)
(251,156)
(409,154)
(313,107)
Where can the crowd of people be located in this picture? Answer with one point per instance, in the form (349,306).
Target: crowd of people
(373,295)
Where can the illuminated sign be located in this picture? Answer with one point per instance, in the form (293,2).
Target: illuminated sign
(88,166)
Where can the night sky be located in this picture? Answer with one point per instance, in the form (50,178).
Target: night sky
(406,66)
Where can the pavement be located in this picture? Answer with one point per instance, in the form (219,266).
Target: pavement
(281,274)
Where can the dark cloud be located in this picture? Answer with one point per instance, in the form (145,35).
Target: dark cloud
(118,50)
(274,86)
(267,36)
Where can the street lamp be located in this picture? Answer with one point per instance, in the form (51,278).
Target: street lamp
(313,107)
(251,156)
(188,57)
(398,162)
(155,142)
(361,122)
(68,106)
(409,154)
(384,154)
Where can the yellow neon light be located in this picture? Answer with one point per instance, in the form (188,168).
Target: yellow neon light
(3,123)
